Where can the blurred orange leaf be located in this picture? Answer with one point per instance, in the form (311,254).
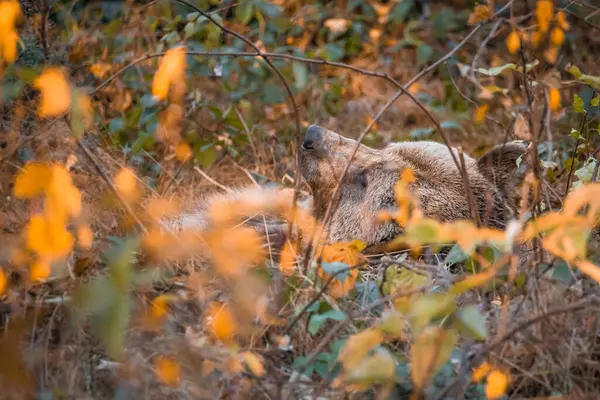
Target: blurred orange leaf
(358,346)
(544,12)
(480,113)
(48,237)
(32,180)
(171,68)
(126,183)
(167,370)
(10,11)
(513,42)
(480,13)
(223,323)
(480,372)
(85,236)
(40,271)
(55,92)
(183,152)
(554,99)
(557,37)
(254,363)
(496,384)
(3,282)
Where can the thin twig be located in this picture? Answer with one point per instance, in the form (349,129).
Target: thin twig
(211,180)
(581,127)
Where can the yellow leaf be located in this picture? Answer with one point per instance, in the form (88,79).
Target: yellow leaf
(554,98)
(223,323)
(561,20)
(126,184)
(3,282)
(513,42)
(48,237)
(480,113)
(100,69)
(10,11)
(171,68)
(287,261)
(85,236)
(429,352)
(480,13)
(557,37)
(254,363)
(183,152)
(496,384)
(544,12)
(358,346)
(40,271)
(480,372)
(167,370)
(160,305)
(32,180)
(55,92)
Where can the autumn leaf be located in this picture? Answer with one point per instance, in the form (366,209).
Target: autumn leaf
(480,113)
(100,69)
(557,37)
(429,352)
(358,346)
(32,180)
(554,98)
(167,370)
(85,237)
(10,11)
(160,305)
(561,20)
(254,363)
(348,253)
(3,282)
(126,183)
(223,323)
(513,42)
(496,384)
(481,371)
(544,12)
(171,68)
(480,13)
(55,92)
(40,271)
(48,237)
(183,152)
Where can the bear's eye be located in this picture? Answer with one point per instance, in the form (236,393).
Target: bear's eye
(361,178)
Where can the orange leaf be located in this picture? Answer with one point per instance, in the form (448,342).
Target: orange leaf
(513,42)
(496,384)
(40,271)
(3,282)
(126,184)
(171,68)
(554,98)
(32,180)
(358,346)
(183,152)
(254,363)
(561,20)
(223,323)
(480,372)
(544,12)
(85,236)
(167,370)
(557,37)
(10,11)
(48,237)
(480,113)
(55,92)
(480,13)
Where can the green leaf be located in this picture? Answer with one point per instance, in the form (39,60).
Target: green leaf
(590,80)
(595,101)
(317,321)
(273,94)
(391,322)
(334,267)
(116,125)
(578,105)
(399,13)
(424,54)
(498,70)
(472,322)
(428,307)
(429,352)
(207,155)
(243,12)
(300,75)
(377,368)
(110,326)
(456,255)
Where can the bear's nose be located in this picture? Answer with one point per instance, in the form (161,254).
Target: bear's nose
(313,137)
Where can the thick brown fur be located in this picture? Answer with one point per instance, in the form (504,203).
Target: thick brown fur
(369,187)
